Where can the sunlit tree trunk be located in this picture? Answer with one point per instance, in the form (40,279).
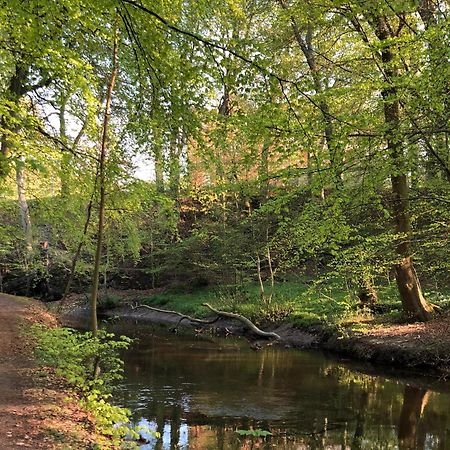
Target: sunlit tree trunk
(176,148)
(414,303)
(16,89)
(102,185)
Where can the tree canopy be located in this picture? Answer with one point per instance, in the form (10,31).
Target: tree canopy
(278,138)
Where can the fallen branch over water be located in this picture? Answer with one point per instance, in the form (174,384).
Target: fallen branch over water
(176,313)
(248,323)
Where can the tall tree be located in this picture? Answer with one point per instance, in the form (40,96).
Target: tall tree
(102,167)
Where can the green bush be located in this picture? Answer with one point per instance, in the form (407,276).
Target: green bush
(90,365)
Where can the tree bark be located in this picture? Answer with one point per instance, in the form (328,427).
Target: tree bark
(248,323)
(413,301)
(14,92)
(306,46)
(25,218)
(159,168)
(176,148)
(367,294)
(102,183)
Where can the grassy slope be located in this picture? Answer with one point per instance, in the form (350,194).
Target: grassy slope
(300,302)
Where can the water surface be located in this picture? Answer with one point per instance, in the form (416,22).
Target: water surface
(196,391)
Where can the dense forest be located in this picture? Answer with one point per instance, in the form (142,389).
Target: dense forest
(189,144)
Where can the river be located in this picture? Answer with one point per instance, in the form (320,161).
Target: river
(196,391)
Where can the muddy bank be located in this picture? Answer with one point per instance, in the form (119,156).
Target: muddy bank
(420,345)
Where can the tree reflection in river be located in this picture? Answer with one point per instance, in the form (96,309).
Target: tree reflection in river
(414,402)
(197,393)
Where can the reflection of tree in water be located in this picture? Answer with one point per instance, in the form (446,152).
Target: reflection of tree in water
(194,392)
(360,421)
(410,436)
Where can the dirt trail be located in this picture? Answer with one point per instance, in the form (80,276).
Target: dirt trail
(34,411)
(18,411)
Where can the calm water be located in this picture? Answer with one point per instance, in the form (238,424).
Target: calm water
(197,391)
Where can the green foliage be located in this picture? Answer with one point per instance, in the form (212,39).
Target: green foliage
(107,300)
(254,433)
(268,144)
(76,356)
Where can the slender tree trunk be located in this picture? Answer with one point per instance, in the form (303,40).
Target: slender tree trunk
(25,218)
(102,183)
(263,171)
(66,157)
(413,301)
(77,253)
(258,271)
(159,168)
(175,165)
(305,42)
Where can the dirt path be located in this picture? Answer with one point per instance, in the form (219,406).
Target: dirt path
(17,410)
(33,410)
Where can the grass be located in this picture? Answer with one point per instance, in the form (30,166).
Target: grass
(296,302)
(299,301)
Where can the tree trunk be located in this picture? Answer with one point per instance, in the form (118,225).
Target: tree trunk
(25,218)
(14,92)
(102,183)
(305,43)
(413,301)
(66,157)
(263,171)
(159,168)
(174,163)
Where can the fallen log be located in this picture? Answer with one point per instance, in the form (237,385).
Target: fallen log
(248,323)
(176,313)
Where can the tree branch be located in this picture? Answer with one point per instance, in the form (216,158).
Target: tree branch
(248,323)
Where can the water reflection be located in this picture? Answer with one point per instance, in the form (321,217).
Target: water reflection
(196,393)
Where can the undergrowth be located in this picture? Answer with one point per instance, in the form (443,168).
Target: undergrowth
(90,366)
(303,302)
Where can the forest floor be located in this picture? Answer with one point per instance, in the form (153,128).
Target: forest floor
(380,338)
(34,409)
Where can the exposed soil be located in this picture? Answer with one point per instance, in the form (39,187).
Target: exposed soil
(423,345)
(417,344)
(34,410)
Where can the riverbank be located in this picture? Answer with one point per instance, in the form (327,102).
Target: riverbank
(35,410)
(375,338)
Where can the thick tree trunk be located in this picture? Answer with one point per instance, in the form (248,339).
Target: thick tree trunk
(414,402)
(102,182)
(15,91)
(413,301)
